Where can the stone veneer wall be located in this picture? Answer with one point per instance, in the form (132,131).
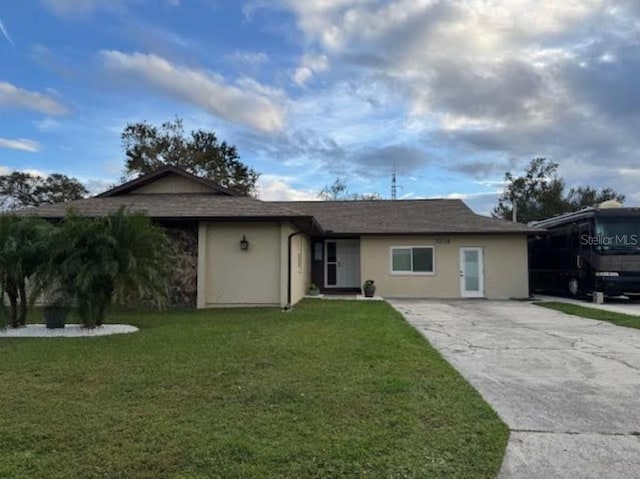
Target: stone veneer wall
(183,288)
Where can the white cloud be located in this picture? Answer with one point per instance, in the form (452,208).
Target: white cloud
(275,188)
(481,203)
(309,66)
(479,86)
(461,122)
(249,58)
(35,172)
(5,170)
(5,33)
(486,75)
(634,172)
(608,57)
(47,124)
(479,62)
(248,103)
(468,196)
(96,185)
(491,183)
(484,23)
(20,144)
(318,19)
(12,96)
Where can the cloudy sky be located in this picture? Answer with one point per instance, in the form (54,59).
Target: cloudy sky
(454,93)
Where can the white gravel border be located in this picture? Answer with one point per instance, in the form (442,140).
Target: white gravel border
(69,331)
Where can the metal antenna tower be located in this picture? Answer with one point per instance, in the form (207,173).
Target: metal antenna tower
(394,186)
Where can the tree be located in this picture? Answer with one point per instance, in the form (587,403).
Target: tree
(96,262)
(23,248)
(149,147)
(540,193)
(23,190)
(585,196)
(338,190)
(335,191)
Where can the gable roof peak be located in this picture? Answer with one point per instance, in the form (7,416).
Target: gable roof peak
(163,172)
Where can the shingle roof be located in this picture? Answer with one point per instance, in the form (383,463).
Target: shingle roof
(165,206)
(403,217)
(336,217)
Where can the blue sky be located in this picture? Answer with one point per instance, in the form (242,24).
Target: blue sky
(453,93)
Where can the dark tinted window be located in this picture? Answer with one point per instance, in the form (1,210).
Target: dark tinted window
(331,252)
(331,274)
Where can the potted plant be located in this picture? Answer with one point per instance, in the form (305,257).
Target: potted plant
(55,315)
(369,288)
(58,301)
(51,289)
(313,290)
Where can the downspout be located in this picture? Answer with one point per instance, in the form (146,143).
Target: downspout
(288,306)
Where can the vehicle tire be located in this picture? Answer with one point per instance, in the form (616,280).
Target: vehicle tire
(573,287)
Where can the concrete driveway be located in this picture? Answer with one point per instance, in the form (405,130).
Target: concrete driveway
(568,388)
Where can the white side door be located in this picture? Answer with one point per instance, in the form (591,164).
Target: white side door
(471,273)
(349,264)
(342,263)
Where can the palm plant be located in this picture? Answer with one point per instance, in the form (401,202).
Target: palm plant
(79,249)
(23,247)
(5,264)
(96,262)
(141,258)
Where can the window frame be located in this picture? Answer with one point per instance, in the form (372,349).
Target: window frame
(412,273)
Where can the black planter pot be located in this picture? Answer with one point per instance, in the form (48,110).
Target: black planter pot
(54,317)
(369,292)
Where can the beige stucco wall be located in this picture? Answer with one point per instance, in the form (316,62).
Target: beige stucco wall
(228,276)
(235,277)
(300,267)
(505,266)
(172,184)
(300,264)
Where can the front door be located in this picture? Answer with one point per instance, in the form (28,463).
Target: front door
(342,265)
(471,273)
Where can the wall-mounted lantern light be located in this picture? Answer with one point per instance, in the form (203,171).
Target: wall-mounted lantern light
(244,243)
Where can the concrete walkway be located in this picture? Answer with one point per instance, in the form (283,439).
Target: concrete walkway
(567,387)
(616,305)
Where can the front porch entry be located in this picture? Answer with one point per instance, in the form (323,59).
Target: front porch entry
(342,263)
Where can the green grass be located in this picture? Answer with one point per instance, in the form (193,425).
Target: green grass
(620,319)
(332,389)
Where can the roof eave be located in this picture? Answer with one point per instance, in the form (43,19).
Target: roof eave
(434,233)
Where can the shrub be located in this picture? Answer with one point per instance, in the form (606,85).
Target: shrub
(96,262)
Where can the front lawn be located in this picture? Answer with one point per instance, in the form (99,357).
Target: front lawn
(332,389)
(619,319)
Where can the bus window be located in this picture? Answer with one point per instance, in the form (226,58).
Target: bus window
(559,240)
(574,237)
(585,234)
(618,235)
